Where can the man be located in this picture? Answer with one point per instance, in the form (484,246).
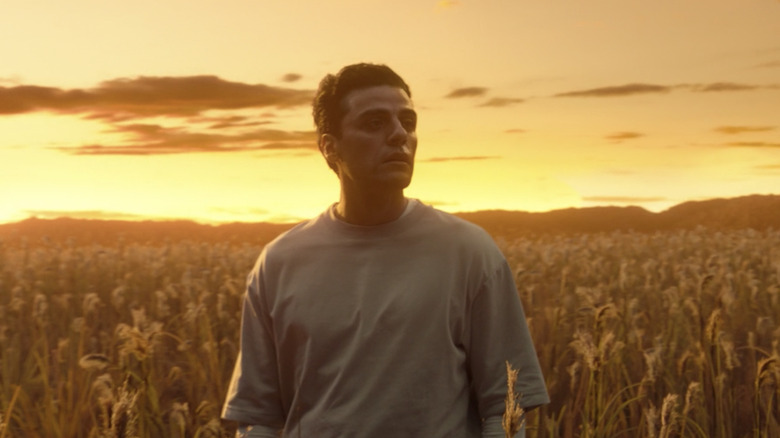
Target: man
(382,317)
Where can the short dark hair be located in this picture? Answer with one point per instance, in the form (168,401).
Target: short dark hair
(327,107)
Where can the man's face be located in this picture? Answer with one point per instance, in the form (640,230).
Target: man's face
(378,139)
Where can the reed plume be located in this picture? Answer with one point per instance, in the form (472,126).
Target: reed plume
(514,415)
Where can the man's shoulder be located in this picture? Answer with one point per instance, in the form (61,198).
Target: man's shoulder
(300,234)
(453,236)
(450,222)
(459,231)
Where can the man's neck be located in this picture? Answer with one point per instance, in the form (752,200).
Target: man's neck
(370,208)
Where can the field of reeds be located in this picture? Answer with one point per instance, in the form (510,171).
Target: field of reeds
(671,334)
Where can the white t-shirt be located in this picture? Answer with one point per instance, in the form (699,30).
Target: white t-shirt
(396,330)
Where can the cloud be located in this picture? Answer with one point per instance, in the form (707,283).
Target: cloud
(459,158)
(633,89)
(723,86)
(753,144)
(623,199)
(515,131)
(287,145)
(227,121)
(152,139)
(770,64)
(625,135)
(126,105)
(502,101)
(291,77)
(466,92)
(145,96)
(617,91)
(235,122)
(742,129)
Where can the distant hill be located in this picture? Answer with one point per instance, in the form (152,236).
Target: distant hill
(755,211)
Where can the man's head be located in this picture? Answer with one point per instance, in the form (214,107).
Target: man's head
(366,126)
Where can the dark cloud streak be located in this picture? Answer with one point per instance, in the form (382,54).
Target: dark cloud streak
(122,99)
(753,144)
(501,102)
(723,86)
(150,139)
(291,77)
(466,92)
(617,91)
(625,135)
(124,104)
(731,130)
(770,64)
(639,88)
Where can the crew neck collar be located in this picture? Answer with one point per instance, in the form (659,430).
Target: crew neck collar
(409,214)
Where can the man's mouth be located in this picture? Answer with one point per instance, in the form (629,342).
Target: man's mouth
(399,159)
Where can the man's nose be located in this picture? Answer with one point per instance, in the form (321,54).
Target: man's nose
(398,136)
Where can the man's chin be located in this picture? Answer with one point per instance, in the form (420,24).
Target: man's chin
(404,181)
(397,183)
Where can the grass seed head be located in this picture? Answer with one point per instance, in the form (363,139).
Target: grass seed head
(124,415)
(651,421)
(668,415)
(103,388)
(694,396)
(514,415)
(90,303)
(584,345)
(714,322)
(94,362)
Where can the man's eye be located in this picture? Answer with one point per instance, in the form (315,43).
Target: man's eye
(374,123)
(410,124)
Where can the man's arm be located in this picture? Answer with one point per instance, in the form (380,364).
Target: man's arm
(498,334)
(253,396)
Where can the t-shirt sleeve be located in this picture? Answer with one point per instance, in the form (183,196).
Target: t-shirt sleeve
(498,333)
(253,394)
(492,427)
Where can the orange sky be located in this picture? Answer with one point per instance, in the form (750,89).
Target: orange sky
(199,109)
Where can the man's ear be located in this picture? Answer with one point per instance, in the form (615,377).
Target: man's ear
(327,145)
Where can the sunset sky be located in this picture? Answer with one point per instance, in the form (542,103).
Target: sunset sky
(200,109)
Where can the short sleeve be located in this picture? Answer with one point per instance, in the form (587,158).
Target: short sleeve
(253,394)
(498,333)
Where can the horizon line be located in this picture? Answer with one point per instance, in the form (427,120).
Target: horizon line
(130,217)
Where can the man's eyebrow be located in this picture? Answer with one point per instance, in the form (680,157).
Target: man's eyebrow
(409,112)
(373,112)
(383,111)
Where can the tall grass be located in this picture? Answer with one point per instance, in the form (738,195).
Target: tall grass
(639,335)
(655,335)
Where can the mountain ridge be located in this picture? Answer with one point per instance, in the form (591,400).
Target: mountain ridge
(754,211)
